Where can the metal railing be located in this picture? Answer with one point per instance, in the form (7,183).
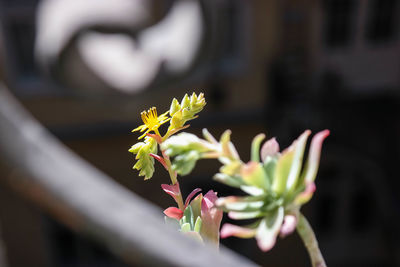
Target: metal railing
(88,201)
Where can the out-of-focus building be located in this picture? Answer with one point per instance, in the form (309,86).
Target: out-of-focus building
(265,66)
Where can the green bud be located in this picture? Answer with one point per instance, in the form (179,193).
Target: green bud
(174,107)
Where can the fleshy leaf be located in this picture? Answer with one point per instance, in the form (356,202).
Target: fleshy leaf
(268,230)
(311,168)
(228,180)
(174,213)
(253,174)
(197,225)
(185,228)
(184,164)
(172,190)
(255,147)
(188,213)
(288,226)
(231,168)
(282,170)
(234,203)
(196,205)
(252,190)
(238,215)
(270,148)
(191,195)
(208,136)
(306,195)
(211,217)
(270,166)
(228,230)
(185,142)
(299,146)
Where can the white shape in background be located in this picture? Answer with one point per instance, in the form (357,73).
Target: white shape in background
(132,66)
(116,59)
(58,21)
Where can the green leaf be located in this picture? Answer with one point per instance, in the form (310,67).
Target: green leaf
(282,171)
(224,141)
(255,147)
(231,168)
(312,164)
(253,174)
(268,229)
(252,190)
(208,136)
(299,146)
(197,225)
(185,163)
(228,180)
(185,142)
(269,167)
(196,205)
(245,215)
(188,213)
(185,228)
(234,203)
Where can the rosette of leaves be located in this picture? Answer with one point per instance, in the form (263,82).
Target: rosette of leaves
(199,218)
(277,185)
(276,182)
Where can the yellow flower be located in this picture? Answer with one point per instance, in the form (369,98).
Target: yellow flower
(151,121)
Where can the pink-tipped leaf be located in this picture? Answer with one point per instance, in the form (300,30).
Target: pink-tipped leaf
(191,195)
(311,168)
(270,148)
(228,230)
(211,217)
(172,190)
(268,230)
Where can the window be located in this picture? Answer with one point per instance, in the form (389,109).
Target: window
(381,20)
(338,21)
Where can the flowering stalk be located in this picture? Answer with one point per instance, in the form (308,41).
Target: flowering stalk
(197,217)
(174,178)
(310,241)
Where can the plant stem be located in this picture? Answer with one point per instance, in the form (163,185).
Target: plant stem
(307,235)
(174,180)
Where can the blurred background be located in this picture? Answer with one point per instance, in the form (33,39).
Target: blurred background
(86,69)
